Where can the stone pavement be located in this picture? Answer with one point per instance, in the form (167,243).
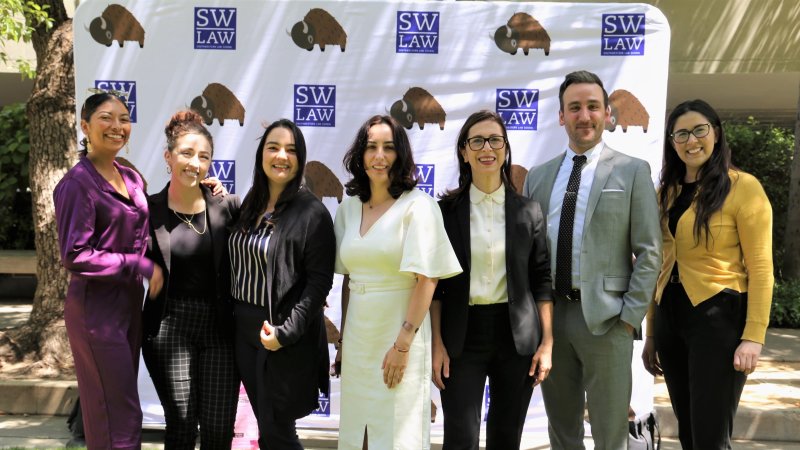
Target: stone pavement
(32,411)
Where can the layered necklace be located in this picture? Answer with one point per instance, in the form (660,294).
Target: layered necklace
(187,219)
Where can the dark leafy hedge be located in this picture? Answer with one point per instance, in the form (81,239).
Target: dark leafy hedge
(766,152)
(16,224)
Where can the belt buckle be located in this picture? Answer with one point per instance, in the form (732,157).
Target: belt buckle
(674,279)
(358,288)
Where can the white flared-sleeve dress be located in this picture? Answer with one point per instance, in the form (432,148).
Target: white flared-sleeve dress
(408,239)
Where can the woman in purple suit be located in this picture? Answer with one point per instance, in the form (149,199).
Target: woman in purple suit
(102,217)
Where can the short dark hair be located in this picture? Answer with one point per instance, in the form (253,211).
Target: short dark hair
(402,174)
(464,169)
(186,122)
(93,102)
(257,198)
(578,77)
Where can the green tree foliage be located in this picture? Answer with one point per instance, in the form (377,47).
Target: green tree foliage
(18,19)
(785,312)
(766,152)
(16,227)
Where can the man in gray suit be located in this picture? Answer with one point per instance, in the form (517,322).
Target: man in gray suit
(605,244)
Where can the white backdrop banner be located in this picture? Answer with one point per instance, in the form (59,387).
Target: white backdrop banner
(329,65)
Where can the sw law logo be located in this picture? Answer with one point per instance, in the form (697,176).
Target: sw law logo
(417,32)
(126,89)
(519,108)
(622,34)
(225,170)
(214,28)
(315,105)
(324,408)
(425,177)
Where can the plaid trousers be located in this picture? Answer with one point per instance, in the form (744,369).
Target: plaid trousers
(194,372)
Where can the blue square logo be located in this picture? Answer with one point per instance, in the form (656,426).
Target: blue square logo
(519,108)
(425,176)
(225,170)
(417,32)
(125,89)
(324,408)
(214,28)
(315,105)
(623,35)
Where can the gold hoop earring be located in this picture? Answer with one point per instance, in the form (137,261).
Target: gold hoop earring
(88,146)
(127,149)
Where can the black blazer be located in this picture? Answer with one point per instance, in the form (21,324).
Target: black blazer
(222,213)
(527,271)
(300,264)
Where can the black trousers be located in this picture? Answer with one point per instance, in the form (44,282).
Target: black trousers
(274,432)
(695,345)
(192,366)
(489,351)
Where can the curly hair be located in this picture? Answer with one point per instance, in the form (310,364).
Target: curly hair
(186,122)
(402,174)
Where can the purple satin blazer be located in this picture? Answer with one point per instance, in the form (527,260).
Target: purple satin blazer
(102,235)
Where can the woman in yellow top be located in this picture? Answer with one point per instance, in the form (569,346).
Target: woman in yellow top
(707,325)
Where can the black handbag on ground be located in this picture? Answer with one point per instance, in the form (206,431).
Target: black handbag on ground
(643,433)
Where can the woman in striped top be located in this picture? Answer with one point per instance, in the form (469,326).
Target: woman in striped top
(282,256)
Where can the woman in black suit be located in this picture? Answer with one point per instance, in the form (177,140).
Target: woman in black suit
(188,327)
(493,320)
(282,255)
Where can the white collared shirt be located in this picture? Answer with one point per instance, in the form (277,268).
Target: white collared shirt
(557,199)
(487,230)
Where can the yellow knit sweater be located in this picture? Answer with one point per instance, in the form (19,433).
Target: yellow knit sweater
(738,256)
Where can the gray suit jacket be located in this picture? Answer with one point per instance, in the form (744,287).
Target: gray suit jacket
(621,248)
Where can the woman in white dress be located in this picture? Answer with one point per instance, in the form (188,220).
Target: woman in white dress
(392,249)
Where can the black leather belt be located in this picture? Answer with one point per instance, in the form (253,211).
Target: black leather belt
(573,295)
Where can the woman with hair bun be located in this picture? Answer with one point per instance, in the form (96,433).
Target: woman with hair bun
(101,212)
(188,326)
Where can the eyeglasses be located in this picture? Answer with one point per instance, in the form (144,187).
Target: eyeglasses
(495,142)
(121,94)
(682,136)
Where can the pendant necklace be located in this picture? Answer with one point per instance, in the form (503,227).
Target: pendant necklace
(187,219)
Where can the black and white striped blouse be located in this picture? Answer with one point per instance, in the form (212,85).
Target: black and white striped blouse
(248,253)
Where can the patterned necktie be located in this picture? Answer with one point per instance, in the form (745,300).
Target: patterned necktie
(565,226)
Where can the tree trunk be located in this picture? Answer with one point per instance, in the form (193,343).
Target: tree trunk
(51,114)
(791,259)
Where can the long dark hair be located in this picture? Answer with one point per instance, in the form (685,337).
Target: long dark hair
(89,107)
(713,183)
(402,174)
(257,198)
(464,169)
